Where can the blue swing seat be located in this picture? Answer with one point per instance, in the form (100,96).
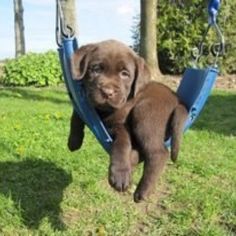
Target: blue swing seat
(78,97)
(193,90)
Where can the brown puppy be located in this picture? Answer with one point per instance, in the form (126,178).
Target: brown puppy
(112,73)
(153,116)
(141,115)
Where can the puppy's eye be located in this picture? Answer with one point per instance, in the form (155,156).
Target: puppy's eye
(124,74)
(96,69)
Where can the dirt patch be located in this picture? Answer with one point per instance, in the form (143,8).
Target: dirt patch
(227,82)
(71,216)
(153,208)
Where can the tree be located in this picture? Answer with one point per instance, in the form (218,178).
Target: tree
(148,35)
(69,11)
(19,28)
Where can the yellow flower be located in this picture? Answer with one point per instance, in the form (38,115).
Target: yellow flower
(20,150)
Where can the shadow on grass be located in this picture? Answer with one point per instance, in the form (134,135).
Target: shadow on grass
(36,187)
(218,115)
(28,94)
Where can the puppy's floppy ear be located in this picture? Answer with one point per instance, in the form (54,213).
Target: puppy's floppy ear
(80,60)
(142,75)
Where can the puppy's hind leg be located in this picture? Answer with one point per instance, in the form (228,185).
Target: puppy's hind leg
(76,135)
(153,166)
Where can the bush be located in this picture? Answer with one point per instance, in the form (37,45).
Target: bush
(180,29)
(38,69)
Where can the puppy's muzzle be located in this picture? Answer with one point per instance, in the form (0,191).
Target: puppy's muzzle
(108,92)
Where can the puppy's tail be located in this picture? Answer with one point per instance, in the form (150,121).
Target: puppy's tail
(177,124)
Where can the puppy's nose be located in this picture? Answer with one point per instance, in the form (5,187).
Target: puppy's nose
(108,92)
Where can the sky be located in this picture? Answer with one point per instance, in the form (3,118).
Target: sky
(97,20)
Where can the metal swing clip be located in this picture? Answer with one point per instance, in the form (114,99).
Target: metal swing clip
(217,49)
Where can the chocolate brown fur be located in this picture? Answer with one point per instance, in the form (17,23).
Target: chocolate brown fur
(112,74)
(154,115)
(140,114)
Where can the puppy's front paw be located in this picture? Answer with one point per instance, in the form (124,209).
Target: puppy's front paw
(119,177)
(74,143)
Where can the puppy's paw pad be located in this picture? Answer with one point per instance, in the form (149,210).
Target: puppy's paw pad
(119,178)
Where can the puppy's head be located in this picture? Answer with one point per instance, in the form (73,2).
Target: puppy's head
(112,73)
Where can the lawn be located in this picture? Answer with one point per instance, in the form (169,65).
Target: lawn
(46,190)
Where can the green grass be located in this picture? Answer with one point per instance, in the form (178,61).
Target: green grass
(46,190)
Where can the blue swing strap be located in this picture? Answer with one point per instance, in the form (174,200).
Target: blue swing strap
(67,45)
(194,88)
(196,84)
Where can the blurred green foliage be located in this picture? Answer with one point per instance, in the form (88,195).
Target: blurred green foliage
(181,28)
(37,69)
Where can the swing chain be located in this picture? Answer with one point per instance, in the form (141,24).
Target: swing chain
(62,29)
(217,49)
